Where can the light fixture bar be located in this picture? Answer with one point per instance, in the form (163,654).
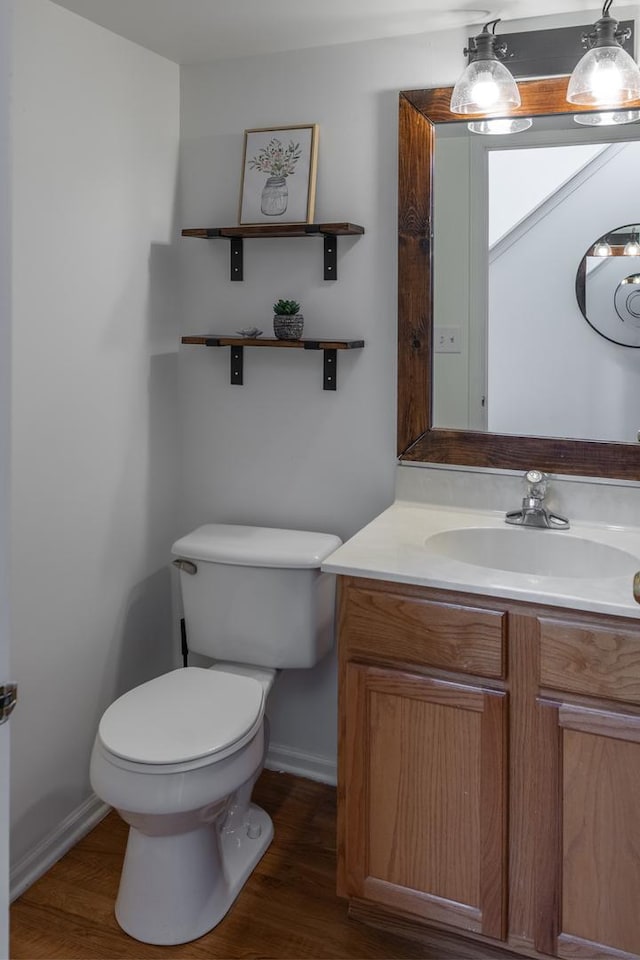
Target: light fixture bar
(553,52)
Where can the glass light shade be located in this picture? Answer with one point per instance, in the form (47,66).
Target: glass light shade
(602,249)
(605,76)
(486,87)
(607,119)
(632,247)
(503,125)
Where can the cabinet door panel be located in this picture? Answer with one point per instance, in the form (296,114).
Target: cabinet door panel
(593,759)
(424,757)
(425,826)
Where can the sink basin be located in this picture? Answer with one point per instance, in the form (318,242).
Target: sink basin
(540,553)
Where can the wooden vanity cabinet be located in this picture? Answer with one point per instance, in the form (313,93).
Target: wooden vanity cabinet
(588,728)
(489,770)
(423,757)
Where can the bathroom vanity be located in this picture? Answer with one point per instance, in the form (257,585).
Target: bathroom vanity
(489,747)
(489,751)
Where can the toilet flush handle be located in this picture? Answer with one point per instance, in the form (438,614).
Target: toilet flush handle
(186,566)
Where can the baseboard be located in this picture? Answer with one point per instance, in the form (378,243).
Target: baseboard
(72,829)
(85,817)
(306,765)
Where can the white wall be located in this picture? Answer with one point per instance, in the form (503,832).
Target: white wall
(279,450)
(454,299)
(95,143)
(6,26)
(538,334)
(520,180)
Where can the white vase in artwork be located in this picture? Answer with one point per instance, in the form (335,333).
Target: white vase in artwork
(275,196)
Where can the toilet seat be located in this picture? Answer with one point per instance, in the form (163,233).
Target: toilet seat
(188,715)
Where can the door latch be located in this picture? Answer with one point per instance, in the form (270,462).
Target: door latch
(8,700)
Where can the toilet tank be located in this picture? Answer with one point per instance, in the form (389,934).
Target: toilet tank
(256,594)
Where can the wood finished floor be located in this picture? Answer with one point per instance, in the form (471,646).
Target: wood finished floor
(287,909)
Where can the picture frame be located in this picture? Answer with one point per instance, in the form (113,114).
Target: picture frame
(279,168)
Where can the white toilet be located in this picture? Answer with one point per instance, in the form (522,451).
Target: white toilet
(178,756)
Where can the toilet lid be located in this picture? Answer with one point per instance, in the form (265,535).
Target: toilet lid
(182,715)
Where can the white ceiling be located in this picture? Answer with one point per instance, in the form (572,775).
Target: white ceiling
(195,31)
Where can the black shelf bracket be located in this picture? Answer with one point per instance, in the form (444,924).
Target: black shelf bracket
(237,360)
(330,370)
(330,257)
(237,258)
(329,366)
(329,352)
(237,235)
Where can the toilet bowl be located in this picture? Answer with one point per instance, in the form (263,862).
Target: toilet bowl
(178,757)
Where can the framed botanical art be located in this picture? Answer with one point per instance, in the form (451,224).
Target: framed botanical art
(279,175)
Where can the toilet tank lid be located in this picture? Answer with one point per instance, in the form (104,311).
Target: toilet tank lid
(256,546)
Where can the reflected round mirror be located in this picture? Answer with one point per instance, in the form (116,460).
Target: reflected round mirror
(608,285)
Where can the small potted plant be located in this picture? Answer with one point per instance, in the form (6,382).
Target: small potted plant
(287,320)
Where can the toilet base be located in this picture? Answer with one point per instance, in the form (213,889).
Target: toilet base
(175,889)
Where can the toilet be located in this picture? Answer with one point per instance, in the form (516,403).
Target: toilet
(178,756)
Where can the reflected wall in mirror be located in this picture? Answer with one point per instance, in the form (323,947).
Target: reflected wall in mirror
(532,204)
(608,285)
(496,364)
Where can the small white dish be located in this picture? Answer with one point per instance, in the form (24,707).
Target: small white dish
(251,333)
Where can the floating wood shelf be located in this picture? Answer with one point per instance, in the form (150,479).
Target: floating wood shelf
(329,348)
(236,235)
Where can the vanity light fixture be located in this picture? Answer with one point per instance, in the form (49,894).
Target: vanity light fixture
(605,79)
(632,246)
(486,86)
(501,125)
(607,118)
(602,248)
(606,75)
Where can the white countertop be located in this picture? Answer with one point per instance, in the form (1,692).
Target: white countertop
(392,547)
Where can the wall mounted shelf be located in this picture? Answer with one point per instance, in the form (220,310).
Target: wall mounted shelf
(236,235)
(237,344)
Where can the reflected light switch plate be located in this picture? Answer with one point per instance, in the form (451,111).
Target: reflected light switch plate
(446,339)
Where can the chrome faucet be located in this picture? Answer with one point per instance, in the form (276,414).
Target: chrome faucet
(533,512)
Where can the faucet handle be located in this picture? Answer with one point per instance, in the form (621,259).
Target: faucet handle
(536,483)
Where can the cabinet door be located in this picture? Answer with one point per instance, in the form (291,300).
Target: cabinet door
(424,828)
(588,876)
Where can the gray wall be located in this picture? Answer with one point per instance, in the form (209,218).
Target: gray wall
(279,450)
(539,343)
(95,150)
(6,25)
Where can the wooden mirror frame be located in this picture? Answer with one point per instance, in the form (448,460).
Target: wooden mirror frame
(417,439)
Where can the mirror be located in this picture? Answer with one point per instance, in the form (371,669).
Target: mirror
(530,205)
(608,285)
(482,356)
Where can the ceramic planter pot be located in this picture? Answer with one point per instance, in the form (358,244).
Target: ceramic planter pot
(288,327)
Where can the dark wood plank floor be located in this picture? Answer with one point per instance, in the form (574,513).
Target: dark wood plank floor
(287,909)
